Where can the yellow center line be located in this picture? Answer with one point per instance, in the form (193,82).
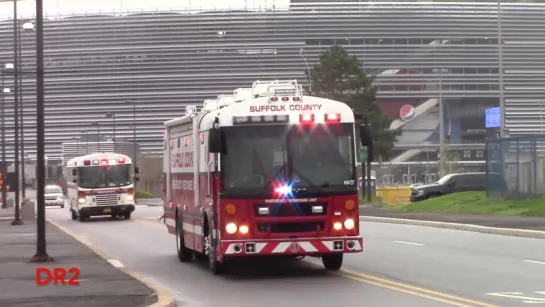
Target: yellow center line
(384,283)
(418,291)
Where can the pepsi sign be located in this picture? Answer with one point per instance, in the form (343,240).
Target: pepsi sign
(407,112)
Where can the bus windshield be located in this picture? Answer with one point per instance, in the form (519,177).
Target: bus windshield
(320,156)
(104,177)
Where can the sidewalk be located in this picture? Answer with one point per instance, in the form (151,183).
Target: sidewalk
(515,222)
(100,283)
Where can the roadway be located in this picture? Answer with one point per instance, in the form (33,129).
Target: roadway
(401,265)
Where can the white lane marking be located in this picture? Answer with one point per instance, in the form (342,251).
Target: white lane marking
(519,295)
(116,263)
(534,261)
(409,243)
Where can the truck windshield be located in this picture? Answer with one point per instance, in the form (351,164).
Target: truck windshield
(104,177)
(321,156)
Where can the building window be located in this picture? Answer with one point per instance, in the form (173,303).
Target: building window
(479,154)
(467,154)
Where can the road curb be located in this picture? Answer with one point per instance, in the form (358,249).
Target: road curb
(467,227)
(164,298)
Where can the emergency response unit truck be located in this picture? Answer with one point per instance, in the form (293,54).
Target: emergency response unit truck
(101,184)
(264,172)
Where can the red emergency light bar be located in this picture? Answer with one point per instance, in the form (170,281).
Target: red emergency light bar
(306,119)
(332,118)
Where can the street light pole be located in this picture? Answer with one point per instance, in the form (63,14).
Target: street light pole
(41,252)
(308,71)
(133,132)
(112,115)
(21,109)
(4,162)
(17,220)
(98,133)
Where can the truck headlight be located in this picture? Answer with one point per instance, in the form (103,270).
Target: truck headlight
(231,228)
(81,201)
(349,224)
(129,198)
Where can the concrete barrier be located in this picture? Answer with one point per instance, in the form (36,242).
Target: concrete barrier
(28,211)
(394,196)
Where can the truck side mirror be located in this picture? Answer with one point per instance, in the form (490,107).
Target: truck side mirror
(74,172)
(366,138)
(75,180)
(136,170)
(215,141)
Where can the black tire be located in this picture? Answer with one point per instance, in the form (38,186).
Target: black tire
(200,257)
(113,216)
(184,253)
(127,215)
(81,217)
(333,262)
(73,214)
(217,268)
(62,206)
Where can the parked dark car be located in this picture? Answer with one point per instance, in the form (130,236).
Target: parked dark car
(448,184)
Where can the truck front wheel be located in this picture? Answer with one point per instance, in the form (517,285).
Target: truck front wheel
(332,262)
(184,253)
(218,268)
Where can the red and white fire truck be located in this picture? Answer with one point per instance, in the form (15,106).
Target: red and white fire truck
(264,172)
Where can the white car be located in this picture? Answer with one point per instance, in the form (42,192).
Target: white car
(54,196)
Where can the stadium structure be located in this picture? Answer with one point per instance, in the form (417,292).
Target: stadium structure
(146,66)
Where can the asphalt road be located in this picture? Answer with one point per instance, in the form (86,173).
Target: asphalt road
(401,265)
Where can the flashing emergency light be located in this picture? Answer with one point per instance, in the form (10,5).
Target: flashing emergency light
(283,190)
(332,118)
(96,162)
(103,162)
(306,119)
(274,98)
(186,141)
(285,98)
(296,98)
(121,160)
(87,162)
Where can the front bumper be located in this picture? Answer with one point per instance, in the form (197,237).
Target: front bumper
(418,197)
(54,203)
(106,210)
(291,247)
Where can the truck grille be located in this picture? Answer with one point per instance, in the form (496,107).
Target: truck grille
(107,200)
(51,198)
(291,209)
(290,227)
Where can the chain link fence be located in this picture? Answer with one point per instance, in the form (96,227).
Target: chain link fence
(515,167)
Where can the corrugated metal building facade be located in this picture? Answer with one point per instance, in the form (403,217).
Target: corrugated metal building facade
(163,61)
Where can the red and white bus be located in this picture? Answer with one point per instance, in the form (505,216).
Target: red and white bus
(273,173)
(101,184)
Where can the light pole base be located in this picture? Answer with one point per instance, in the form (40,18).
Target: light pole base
(17,222)
(39,257)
